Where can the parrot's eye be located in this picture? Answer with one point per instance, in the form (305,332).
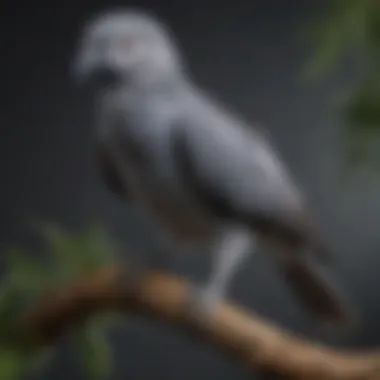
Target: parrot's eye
(126,43)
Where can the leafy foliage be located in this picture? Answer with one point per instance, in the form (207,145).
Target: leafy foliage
(93,348)
(352,26)
(69,255)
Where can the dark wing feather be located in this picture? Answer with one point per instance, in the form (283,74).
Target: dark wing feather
(292,227)
(109,172)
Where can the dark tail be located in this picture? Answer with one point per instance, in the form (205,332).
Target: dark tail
(318,294)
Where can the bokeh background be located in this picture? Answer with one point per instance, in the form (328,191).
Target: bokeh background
(250,56)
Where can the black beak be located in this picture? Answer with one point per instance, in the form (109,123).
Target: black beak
(94,78)
(103,77)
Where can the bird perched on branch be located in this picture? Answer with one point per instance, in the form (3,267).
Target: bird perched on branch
(201,173)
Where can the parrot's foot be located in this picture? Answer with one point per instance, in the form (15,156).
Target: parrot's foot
(202,302)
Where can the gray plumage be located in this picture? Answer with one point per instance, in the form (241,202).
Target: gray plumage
(204,175)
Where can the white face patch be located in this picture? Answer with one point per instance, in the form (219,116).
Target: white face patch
(128,43)
(125,50)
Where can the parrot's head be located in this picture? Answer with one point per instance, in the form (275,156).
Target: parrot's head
(123,47)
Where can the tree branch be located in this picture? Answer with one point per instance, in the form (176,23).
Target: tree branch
(231,329)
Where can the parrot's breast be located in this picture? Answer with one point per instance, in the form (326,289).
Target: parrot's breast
(143,136)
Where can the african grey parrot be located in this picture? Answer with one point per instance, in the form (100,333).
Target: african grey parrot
(201,173)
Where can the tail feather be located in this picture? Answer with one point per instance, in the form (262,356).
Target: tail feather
(317,293)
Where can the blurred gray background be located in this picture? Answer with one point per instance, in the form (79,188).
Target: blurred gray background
(249,55)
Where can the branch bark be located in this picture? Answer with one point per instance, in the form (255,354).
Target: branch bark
(231,329)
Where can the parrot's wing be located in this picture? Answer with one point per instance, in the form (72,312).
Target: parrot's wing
(236,173)
(108,172)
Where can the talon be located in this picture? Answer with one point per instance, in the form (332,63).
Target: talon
(201,302)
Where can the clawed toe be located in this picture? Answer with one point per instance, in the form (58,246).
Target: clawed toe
(201,302)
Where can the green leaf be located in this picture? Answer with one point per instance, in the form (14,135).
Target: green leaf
(12,303)
(327,35)
(12,365)
(362,109)
(343,26)
(352,26)
(96,247)
(94,351)
(64,250)
(373,27)
(74,254)
(71,254)
(5,290)
(329,49)
(25,272)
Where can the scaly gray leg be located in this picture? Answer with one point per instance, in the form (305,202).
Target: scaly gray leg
(233,246)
